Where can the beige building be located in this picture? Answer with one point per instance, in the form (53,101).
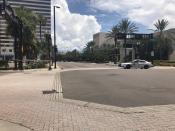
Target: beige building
(101,39)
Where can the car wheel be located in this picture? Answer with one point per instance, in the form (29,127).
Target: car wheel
(146,67)
(128,66)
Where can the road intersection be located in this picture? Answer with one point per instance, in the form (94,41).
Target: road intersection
(22,102)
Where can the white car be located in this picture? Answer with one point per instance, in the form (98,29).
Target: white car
(142,64)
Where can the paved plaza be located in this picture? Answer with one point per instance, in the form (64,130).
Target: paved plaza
(22,102)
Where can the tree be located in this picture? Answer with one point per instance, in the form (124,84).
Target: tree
(127,26)
(42,22)
(29,21)
(88,51)
(161,25)
(113,35)
(163,37)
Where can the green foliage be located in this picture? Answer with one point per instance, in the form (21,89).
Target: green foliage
(90,54)
(103,54)
(161,25)
(145,48)
(70,56)
(36,65)
(127,26)
(163,45)
(45,47)
(41,20)
(164,63)
(113,34)
(4,64)
(30,21)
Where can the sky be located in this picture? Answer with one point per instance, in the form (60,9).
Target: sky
(78,20)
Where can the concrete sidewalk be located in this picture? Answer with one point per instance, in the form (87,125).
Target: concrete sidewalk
(7,126)
(22,101)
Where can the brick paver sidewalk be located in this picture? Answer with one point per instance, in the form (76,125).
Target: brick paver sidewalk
(22,102)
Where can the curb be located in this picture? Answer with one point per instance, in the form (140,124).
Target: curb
(11,126)
(127,110)
(123,110)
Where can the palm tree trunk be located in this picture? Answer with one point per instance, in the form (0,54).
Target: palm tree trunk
(16,53)
(115,58)
(40,31)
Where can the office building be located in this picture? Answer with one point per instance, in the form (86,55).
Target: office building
(42,7)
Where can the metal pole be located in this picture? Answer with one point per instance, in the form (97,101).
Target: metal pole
(21,45)
(49,46)
(125,48)
(55,64)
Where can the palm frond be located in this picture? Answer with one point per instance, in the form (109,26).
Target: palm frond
(127,26)
(161,25)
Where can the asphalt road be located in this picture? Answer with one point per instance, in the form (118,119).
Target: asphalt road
(121,87)
(71,65)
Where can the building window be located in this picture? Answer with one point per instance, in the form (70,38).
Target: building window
(10,50)
(3,50)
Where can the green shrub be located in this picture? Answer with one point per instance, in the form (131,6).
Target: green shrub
(164,63)
(36,65)
(4,64)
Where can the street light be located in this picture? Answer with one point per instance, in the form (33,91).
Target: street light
(55,61)
(48,40)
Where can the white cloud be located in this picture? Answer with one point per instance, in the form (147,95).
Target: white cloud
(145,12)
(73,31)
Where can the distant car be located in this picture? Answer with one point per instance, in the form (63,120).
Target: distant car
(142,64)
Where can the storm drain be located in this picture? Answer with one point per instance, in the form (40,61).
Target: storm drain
(49,92)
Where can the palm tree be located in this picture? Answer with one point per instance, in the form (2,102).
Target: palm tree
(126,26)
(163,36)
(42,22)
(113,35)
(29,20)
(13,30)
(161,25)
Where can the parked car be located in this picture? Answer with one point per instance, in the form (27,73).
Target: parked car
(142,64)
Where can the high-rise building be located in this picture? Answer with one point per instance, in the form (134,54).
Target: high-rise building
(42,7)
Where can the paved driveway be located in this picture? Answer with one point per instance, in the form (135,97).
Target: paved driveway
(121,87)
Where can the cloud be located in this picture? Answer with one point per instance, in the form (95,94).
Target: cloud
(145,12)
(73,31)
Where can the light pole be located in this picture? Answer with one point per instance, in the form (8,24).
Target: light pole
(48,40)
(55,61)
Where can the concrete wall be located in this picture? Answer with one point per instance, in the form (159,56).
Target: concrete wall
(100,39)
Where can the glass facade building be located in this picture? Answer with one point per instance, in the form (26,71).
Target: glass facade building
(42,7)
